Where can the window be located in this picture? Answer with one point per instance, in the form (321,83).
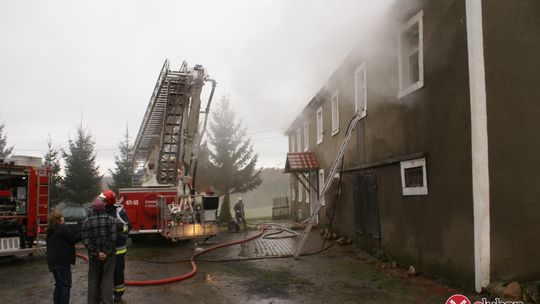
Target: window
(335,113)
(414,177)
(320,130)
(321,185)
(306,136)
(411,55)
(360,90)
(293,197)
(299,140)
(308,190)
(300,192)
(291,143)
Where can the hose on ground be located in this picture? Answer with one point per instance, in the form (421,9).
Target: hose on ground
(193,264)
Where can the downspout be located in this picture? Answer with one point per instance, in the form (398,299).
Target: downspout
(479,144)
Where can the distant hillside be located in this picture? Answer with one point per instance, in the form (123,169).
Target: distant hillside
(275,183)
(105,181)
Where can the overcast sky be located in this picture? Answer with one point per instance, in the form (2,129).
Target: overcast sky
(61,61)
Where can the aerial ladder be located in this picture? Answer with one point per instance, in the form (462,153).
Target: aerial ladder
(163,198)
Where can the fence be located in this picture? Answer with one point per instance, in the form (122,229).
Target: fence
(281,208)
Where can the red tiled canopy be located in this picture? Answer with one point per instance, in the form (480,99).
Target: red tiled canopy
(301,162)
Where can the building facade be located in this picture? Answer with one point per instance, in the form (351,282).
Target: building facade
(443,169)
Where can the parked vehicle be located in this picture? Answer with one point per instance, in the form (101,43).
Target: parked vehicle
(74,216)
(24,204)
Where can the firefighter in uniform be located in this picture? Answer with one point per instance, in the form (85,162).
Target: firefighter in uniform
(116,210)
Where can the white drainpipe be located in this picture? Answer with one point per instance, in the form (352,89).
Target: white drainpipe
(479,144)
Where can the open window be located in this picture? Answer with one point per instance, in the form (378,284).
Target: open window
(411,55)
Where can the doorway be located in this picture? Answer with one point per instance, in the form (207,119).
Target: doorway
(366,209)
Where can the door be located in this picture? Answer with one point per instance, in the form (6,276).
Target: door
(366,211)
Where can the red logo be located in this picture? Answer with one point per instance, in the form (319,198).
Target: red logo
(458,299)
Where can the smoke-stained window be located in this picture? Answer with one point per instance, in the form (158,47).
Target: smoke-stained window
(411,57)
(299,140)
(335,113)
(306,135)
(360,90)
(320,129)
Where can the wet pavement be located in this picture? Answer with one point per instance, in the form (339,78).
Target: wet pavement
(258,271)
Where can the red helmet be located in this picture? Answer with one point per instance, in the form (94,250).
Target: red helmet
(108,197)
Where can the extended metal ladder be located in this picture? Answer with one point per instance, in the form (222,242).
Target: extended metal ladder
(169,127)
(327,183)
(42,206)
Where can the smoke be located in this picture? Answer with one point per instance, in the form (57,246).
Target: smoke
(101,59)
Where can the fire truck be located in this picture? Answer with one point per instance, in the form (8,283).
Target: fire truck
(164,198)
(24,205)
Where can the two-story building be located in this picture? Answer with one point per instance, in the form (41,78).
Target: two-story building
(444,167)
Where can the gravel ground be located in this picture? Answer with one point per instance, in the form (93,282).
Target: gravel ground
(341,274)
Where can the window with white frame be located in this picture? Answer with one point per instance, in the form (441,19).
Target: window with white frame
(307,191)
(411,55)
(298,140)
(306,136)
(360,90)
(320,129)
(321,185)
(300,192)
(414,177)
(291,143)
(335,113)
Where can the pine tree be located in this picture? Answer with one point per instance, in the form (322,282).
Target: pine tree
(4,150)
(230,165)
(52,159)
(123,171)
(82,181)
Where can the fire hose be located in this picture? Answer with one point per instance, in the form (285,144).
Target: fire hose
(191,260)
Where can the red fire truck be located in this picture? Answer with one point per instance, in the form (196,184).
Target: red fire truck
(164,199)
(24,204)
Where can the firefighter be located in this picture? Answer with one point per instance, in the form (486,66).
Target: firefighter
(239,213)
(115,209)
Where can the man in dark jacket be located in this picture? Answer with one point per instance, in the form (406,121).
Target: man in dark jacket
(99,237)
(60,255)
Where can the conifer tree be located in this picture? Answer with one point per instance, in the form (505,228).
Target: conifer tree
(230,162)
(82,181)
(5,151)
(52,159)
(123,171)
